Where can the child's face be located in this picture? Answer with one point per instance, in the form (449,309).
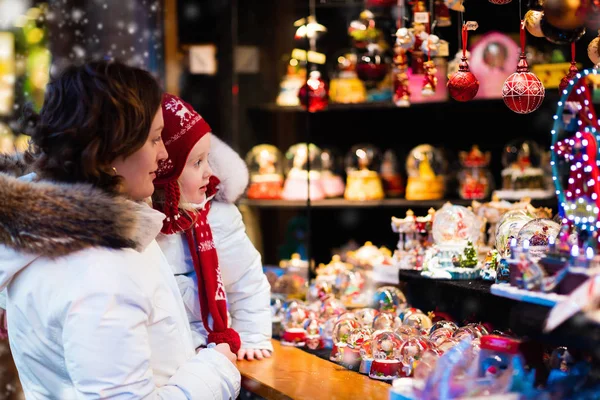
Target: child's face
(196,173)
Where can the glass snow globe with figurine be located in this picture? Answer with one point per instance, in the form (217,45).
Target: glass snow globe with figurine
(293,325)
(426,169)
(475,179)
(386,363)
(456,231)
(363,180)
(266,172)
(350,356)
(331,181)
(304,173)
(414,237)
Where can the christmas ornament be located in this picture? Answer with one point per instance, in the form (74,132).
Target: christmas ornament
(442,14)
(430,80)
(565,14)
(405,38)
(594,52)
(522,91)
(500,2)
(463,85)
(431,45)
(314,94)
(455,5)
(363,30)
(572,71)
(372,66)
(560,36)
(532,22)
(401,84)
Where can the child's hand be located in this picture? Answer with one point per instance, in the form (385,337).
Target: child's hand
(224,349)
(251,354)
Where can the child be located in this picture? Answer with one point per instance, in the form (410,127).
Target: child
(204,238)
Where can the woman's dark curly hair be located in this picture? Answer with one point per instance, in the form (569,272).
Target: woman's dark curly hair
(92,115)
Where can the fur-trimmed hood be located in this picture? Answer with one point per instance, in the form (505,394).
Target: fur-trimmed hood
(231,170)
(52,219)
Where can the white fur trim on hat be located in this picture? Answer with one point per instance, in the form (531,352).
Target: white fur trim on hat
(231,170)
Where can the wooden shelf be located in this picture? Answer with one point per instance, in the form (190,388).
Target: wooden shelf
(343,203)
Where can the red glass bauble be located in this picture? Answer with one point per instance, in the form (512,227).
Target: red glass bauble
(371,69)
(564,82)
(463,85)
(522,91)
(500,2)
(314,94)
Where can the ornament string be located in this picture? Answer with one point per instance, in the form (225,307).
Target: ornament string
(520,11)
(522,37)
(573,52)
(464,40)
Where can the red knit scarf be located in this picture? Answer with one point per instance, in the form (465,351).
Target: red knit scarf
(211,291)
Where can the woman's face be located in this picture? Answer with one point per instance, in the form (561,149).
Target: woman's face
(196,173)
(139,169)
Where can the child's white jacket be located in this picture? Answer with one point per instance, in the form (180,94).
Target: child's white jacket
(248,290)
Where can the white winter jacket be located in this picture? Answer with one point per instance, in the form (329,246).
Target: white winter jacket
(248,290)
(93,308)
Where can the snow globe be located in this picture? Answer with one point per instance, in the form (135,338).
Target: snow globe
(362,166)
(366,355)
(386,321)
(345,87)
(509,227)
(421,322)
(350,286)
(386,347)
(389,299)
(329,272)
(266,172)
(293,326)
(365,316)
(475,178)
(406,331)
(453,256)
(538,233)
(522,175)
(426,169)
(410,354)
(331,307)
(327,331)
(393,184)
(350,355)
(331,182)
(313,333)
(340,336)
(299,158)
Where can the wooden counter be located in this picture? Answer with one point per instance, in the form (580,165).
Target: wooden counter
(295,374)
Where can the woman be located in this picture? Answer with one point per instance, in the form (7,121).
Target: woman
(93,308)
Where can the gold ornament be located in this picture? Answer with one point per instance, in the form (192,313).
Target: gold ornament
(565,14)
(593,50)
(532,22)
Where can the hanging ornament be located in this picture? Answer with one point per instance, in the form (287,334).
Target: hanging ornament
(314,94)
(363,30)
(522,91)
(462,84)
(372,65)
(560,36)
(500,2)
(431,45)
(566,14)
(455,5)
(405,38)
(430,80)
(564,82)
(532,22)
(593,51)
(442,14)
(401,88)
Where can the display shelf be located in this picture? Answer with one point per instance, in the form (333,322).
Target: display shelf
(343,203)
(473,301)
